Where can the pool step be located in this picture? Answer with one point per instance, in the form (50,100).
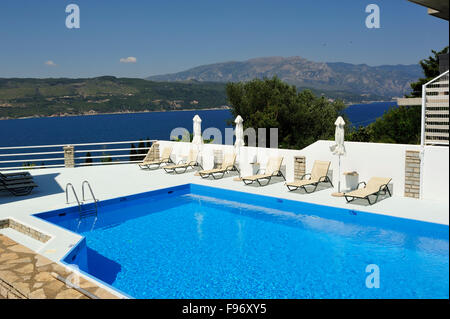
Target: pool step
(87,212)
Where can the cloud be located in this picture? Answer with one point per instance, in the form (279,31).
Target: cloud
(130,59)
(50,63)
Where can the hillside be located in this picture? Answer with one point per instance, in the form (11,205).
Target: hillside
(385,81)
(60,97)
(53,97)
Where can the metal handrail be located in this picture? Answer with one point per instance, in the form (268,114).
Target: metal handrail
(25,156)
(111,150)
(105,156)
(81,144)
(90,189)
(74,193)
(37,153)
(92,194)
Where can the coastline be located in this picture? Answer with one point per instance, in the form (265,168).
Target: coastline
(93,113)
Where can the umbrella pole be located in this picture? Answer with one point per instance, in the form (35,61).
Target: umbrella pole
(339,176)
(239,178)
(338,193)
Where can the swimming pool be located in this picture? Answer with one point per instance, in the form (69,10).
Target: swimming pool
(194,241)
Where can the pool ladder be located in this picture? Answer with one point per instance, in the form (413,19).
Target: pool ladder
(83,210)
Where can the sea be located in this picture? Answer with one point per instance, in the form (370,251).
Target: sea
(137,126)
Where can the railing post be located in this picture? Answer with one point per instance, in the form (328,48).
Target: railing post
(69,156)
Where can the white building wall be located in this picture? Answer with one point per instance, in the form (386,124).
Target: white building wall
(435,174)
(368,159)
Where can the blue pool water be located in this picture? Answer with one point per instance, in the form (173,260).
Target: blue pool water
(194,241)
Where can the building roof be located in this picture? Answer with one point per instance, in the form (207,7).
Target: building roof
(437,8)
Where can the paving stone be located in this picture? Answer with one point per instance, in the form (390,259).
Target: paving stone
(19,261)
(9,276)
(43,276)
(53,288)
(25,274)
(69,294)
(29,268)
(20,249)
(23,287)
(42,261)
(8,256)
(5,241)
(37,294)
(38,285)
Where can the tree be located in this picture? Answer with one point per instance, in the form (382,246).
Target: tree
(360,134)
(107,159)
(430,69)
(301,117)
(132,152)
(402,124)
(89,159)
(398,125)
(141,150)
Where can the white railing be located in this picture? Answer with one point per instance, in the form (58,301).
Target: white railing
(435,111)
(23,157)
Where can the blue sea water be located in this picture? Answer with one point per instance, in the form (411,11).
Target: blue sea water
(201,242)
(123,127)
(135,126)
(364,114)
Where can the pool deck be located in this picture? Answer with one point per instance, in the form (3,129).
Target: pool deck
(111,181)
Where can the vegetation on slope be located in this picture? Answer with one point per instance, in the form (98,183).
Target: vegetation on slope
(301,117)
(400,125)
(47,97)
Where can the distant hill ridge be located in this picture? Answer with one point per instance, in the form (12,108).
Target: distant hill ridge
(385,80)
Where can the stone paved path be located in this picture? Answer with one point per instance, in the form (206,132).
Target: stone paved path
(25,274)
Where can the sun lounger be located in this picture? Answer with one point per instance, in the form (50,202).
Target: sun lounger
(182,166)
(155,164)
(16,175)
(319,174)
(17,187)
(273,168)
(375,186)
(228,165)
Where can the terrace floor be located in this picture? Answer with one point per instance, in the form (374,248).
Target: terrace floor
(111,181)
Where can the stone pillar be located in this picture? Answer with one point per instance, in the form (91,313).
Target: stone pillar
(218,158)
(299,167)
(412,174)
(4,223)
(69,156)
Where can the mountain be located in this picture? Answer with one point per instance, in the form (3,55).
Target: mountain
(386,81)
(107,94)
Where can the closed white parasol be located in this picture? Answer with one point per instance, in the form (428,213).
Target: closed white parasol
(339,148)
(197,139)
(239,132)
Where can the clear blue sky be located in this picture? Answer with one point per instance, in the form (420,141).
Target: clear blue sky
(170,36)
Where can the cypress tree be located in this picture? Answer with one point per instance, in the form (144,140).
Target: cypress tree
(142,151)
(88,160)
(133,152)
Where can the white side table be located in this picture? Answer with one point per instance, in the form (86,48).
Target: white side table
(255,167)
(351,180)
